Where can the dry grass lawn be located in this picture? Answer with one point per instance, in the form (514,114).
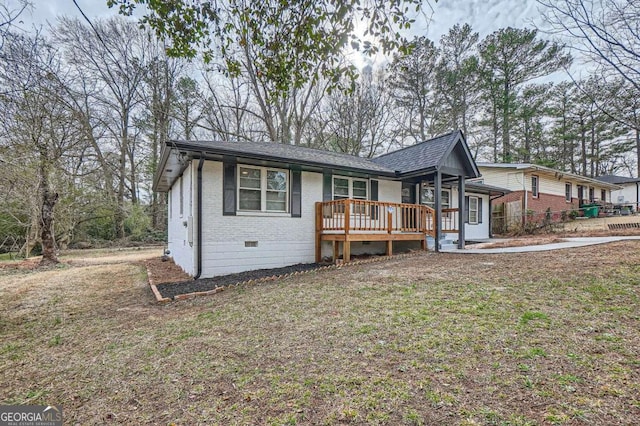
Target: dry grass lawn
(436,339)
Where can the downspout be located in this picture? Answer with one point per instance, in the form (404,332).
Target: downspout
(199,222)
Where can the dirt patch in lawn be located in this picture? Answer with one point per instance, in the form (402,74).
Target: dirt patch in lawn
(436,339)
(164,271)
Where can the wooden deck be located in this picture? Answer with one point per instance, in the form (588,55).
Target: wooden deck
(344,221)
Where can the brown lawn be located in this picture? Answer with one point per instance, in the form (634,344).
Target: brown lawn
(435,339)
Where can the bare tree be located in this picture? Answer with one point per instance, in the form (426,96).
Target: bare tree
(357,122)
(38,128)
(113,55)
(9,14)
(604,30)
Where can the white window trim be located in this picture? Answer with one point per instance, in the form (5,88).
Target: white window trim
(476,210)
(263,190)
(568,200)
(351,180)
(535,190)
(448,191)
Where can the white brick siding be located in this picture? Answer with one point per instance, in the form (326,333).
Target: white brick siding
(182,251)
(282,240)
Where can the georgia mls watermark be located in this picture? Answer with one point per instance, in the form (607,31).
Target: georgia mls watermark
(30,415)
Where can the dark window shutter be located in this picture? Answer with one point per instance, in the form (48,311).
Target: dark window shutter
(327,190)
(229,189)
(296,193)
(479,209)
(466,209)
(373,196)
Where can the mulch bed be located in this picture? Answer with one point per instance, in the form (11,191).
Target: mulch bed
(170,290)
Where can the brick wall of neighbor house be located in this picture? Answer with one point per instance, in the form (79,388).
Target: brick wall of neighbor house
(180,226)
(281,239)
(540,204)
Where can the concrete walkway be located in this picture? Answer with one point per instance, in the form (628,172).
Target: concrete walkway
(568,243)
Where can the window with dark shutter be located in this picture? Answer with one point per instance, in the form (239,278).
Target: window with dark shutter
(296,193)
(229,189)
(374,197)
(327,186)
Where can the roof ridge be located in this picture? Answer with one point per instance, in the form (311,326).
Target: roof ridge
(416,144)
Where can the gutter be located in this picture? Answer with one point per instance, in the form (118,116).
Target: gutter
(199,221)
(180,145)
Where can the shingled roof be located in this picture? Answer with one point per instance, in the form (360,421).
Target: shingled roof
(428,155)
(288,153)
(424,157)
(618,180)
(420,156)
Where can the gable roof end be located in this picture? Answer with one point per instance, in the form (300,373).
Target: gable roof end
(430,155)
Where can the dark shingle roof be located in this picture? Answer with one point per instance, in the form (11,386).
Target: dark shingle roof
(483,188)
(281,152)
(421,156)
(617,179)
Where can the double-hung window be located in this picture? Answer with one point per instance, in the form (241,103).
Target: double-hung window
(354,188)
(427,196)
(263,189)
(568,192)
(473,210)
(535,186)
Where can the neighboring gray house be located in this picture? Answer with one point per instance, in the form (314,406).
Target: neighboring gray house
(628,196)
(240,206)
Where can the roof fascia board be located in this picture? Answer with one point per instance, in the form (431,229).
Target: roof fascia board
(534,167)
(229,154)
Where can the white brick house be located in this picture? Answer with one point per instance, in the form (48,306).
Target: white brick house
(255,205)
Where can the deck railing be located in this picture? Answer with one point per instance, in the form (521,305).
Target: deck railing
(449,220)
(365,216)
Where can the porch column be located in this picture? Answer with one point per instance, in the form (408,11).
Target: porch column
(438,208)
(462,208)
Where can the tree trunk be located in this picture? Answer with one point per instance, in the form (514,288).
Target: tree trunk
(49,200)
(506,125)
(583,140)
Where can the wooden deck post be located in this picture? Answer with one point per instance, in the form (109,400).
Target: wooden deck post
(318,232)
(336,251)
(346,250)
(389,220)
(389,247)
(347,216)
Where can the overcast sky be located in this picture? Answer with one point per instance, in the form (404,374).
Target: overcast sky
(485,16)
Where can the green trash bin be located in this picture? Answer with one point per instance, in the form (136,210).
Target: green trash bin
(590,210)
